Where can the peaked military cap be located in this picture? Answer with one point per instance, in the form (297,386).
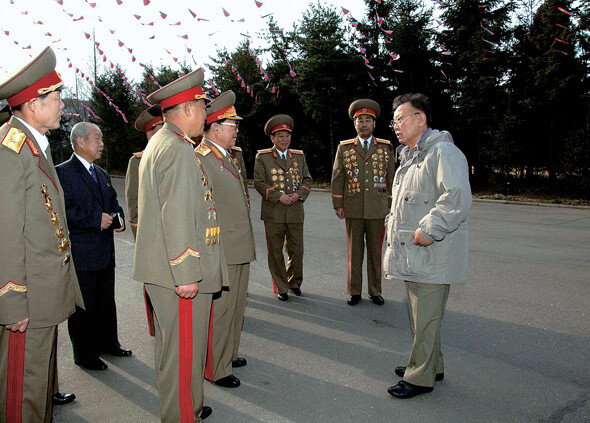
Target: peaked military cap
(222,108)
(149,118)
(278,123)
(364,106)
(185,88)
(34,79)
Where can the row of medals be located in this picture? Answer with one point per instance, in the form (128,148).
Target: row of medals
(212,234)
(279,176)
(380,159)
(60,232)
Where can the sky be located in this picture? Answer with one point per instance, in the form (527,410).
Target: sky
(39,23)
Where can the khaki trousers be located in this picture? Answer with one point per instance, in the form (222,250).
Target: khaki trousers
(27,366)
(356,230)
(289,235)
(228,319)
(181,329)
(427,306)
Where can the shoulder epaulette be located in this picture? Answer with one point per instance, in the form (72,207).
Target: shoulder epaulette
(203,149)
(383,141)
(346,142)
(14,139)
(235,148)
(267,150)
(138,154)
(296,151)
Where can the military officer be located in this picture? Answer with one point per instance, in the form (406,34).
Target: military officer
(178,256)
(149,122)
(361,194)
(39,288)
(283,180)
(217,152)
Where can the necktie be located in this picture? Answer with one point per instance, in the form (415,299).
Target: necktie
(93,173)
(366,147)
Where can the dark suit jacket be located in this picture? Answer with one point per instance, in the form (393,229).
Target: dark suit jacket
(92,248)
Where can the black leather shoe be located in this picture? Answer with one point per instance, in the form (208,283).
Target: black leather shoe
(283,297)
(239,362)
(62,399)
(228,382)
(206,412)
(296,291)
(378,299)
(354,300)
(401,371)
(120,352)
(93,363)
(407,390)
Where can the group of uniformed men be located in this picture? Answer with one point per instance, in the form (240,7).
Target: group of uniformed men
(189,209)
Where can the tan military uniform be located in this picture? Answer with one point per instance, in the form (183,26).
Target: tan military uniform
(233,214)
(38,277)
(361,184)
(274,177)
(178,244)
(131,188)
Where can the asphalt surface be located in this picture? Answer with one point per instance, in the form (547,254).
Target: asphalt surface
(516,337)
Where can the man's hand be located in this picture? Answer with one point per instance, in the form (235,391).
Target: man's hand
(339,212)
(18,326)
(122,228)
(286,199)
(420,240)
(187,291)
(295,197)
(105,221)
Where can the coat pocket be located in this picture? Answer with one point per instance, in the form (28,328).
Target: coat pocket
(410,259)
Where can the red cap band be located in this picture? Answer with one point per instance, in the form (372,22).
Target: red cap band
(225,113)
(195,93)
(365,111)
(48,83)
(281,127)
(152,123)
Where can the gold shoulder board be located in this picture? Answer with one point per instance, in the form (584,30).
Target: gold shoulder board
(346,142)
(203,149)
(138,154)
(236,148)
(383,141)
(268,150)
(296,151)
(14,139)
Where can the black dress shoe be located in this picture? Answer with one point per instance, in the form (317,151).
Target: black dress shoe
(354,300)
(407,390)
(206,412)
(62,399)
(378,299)
(296,291)
(93,363)
(401,371)
(283,297)
(119,352)
(239,362)
(228,382)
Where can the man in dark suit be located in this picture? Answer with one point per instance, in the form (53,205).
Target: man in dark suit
(93,213)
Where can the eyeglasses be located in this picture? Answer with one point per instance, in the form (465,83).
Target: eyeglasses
(235,125)
(400,119)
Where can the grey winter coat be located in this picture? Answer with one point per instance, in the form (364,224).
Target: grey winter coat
(430,192)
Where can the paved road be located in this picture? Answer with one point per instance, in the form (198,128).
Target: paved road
(516,338)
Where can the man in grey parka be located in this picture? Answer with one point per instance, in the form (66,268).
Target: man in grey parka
(426,234)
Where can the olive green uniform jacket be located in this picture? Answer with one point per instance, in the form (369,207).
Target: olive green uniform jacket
(272,178)
(131,190)
(38,278)
(361,183)
(178,235)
